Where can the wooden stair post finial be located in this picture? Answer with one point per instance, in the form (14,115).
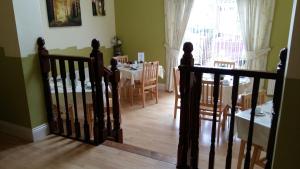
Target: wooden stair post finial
(115,78)
(45,69)
(97,59)
(186,62)
(187,58)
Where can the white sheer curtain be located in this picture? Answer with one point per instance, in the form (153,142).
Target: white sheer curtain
(177,13)
(256,18)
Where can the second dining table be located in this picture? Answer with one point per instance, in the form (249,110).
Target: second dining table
(133,72)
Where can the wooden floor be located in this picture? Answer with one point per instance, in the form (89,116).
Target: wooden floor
(154,128)
(148,132)
(60,153)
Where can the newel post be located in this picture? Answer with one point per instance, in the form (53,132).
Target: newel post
(276,105)
(45,69)
(98,67)
(115,79)
(186,63)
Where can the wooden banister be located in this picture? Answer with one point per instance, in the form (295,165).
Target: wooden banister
(190,90)
(65,121)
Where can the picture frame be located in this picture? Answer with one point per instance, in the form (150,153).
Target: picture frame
(63,13)
(98,8)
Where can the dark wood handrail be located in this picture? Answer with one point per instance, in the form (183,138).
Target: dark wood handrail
(68,57)
(232,72)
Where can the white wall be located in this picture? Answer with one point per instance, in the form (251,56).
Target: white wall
(29,24)
(8,32)
(99,27)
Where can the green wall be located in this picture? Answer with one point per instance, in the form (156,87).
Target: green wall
(288,147)
(280,31)
(33,80)
(13,102)
(140,26)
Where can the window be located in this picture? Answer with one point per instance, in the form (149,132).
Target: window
(214,30)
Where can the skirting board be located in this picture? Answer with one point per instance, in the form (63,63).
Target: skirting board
(35,134)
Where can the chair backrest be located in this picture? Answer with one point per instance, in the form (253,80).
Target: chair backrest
(150,73)
(121,59)
(207,98)
(246,99)
(176,75)
(224,64)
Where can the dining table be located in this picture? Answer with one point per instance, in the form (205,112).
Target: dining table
(262,124)
(133,72)
(227,80)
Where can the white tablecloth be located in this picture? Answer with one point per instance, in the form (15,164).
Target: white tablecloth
(244,86)
(262,125)
(135,72)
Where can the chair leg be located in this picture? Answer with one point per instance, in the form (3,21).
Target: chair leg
(175,107)
(241,154)
(131,94)
(156,94)
(143,97)
(255,156)
(219,128)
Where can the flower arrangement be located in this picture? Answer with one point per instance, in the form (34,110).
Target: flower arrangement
(116,42)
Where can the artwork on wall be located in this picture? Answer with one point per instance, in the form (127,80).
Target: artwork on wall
(63,13)
(98,7)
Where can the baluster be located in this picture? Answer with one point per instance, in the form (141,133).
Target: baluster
(73,78)
(187,61)
(194,123)
(82,79)
(214,122)
(98,69)
(108,121)
(63,77)
(54,76)
(92,81)
(115,78)
(276,106)
(234,97)
(251,126)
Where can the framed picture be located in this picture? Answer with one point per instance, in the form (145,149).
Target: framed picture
(98,7)
(63,13)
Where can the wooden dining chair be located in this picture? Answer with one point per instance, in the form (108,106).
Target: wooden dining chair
(245,103)
(176,75)
(149,81)
(224,64)
(207,104)
(121,59)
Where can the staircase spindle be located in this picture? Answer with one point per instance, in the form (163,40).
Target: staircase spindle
(54,77)
(251,125)
(72,79)
(63,77)
(214,122)
(234,97)
(83,94)
(108,120)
